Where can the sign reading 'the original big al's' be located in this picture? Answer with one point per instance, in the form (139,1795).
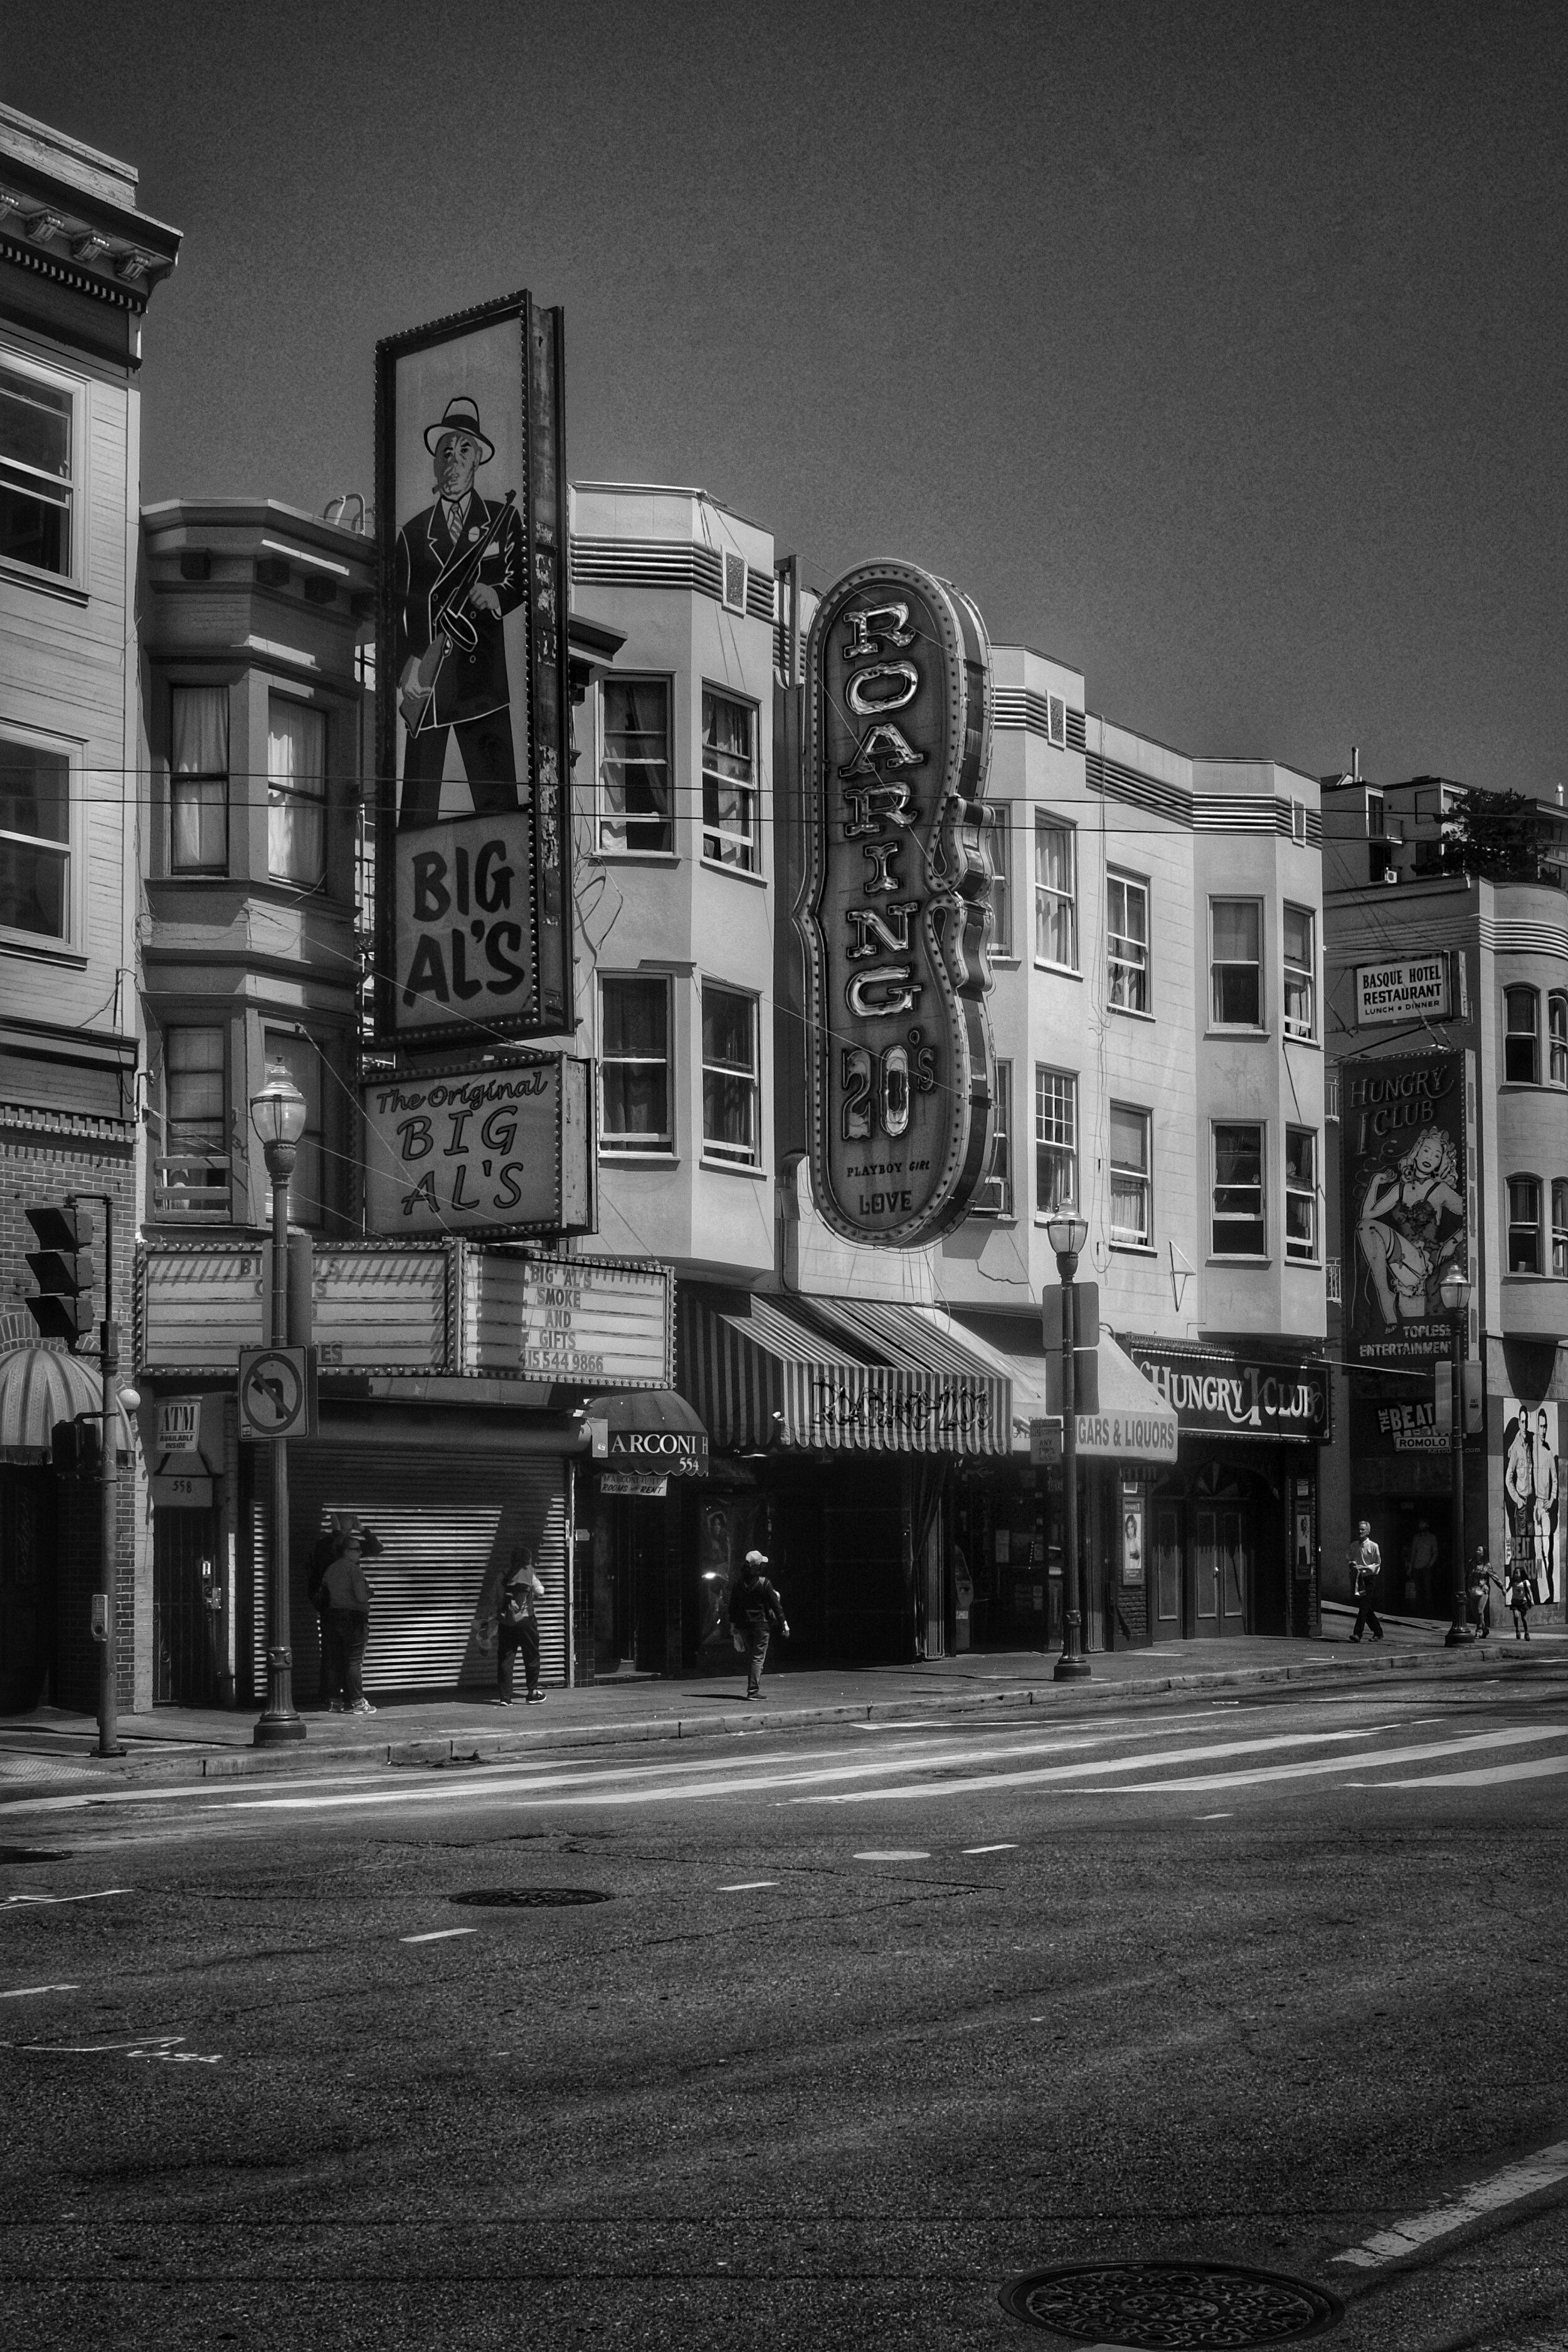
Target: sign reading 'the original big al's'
(894,908)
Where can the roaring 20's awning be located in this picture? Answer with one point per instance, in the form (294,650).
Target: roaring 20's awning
(846,1376)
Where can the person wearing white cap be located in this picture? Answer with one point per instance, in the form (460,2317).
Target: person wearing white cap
(755,1611)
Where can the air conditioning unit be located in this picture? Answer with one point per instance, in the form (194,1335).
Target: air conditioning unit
(734,583)
(1057,720)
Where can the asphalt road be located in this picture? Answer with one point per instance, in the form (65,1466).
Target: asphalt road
(867,2024)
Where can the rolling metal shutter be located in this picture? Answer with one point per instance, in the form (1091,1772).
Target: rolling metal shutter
(446,1522)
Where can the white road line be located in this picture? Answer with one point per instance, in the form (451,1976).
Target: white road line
(1492,1776)
(747,1886)
(1073,1771)
(23,1992)
(991,1849)
(100,1894)
(896,1853)
(438,1935)
(1216,1817)
(1317,1765)
(1505,2187)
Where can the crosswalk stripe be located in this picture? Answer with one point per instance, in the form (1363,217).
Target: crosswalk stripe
(1505,2187)
(1061,1773)
(1492,1776)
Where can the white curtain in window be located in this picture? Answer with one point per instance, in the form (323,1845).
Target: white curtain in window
(200,730)
(297,788)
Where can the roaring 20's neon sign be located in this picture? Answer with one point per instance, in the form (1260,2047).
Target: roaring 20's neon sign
(894,910)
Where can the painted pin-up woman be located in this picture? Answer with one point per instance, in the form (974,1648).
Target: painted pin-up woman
(1400,1228)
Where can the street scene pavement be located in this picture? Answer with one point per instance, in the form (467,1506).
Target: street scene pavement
(822,2036)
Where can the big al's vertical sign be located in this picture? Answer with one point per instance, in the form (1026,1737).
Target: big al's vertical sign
(472,881)
(894,908)
(1408,1128)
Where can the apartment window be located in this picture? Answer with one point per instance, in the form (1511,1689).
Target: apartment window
(198,780)
(1521,1041)
(1557,1033)
(1236,963)
(994,1197)
(1131,1225)
(636,810)
(1055,1140)
(1524,1224)
(35,840)
(729,1076)
(729,781)
(1127,941)
(634,1066)
(38,488)
(1560,1225)
(192,1175)
(1238,1199)
(1056,894)
(1300,972)
(1376,823)
(301,1057)
(1300,1194)
(999,842)
(296,792)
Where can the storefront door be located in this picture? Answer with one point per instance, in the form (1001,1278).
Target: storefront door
(1170,1545)
(27,1588)
(184,1624)
(1219,1566)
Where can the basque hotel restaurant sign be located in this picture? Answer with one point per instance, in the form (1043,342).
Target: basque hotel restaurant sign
(505,1148)
(473,880)
(894,908)
(1407,1125)
(1408,988)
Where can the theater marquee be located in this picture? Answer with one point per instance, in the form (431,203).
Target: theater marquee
(473,866)
(894,908)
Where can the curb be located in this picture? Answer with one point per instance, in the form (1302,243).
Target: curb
(439,1751)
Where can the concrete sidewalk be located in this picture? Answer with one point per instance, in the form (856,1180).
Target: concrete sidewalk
(189,1744)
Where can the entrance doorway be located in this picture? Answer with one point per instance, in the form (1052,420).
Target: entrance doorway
(185,1619)
(1170,1549)
(27,1588)
(1219,1569)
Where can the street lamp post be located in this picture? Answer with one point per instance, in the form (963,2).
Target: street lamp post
(278,1115)
(1067,1235)
(1453,1290)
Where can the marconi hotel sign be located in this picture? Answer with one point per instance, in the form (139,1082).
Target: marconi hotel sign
(894,907)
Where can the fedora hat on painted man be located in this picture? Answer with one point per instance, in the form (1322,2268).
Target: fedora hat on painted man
(462,416)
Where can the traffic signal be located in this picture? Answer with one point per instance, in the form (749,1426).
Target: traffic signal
(76,1449)
(67,1273)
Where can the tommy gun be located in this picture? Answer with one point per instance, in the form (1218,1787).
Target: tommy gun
(450,626)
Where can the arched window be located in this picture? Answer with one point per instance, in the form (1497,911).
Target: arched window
(1521,1043)
(1557,1035)
(1560,1225)
(1524,1224)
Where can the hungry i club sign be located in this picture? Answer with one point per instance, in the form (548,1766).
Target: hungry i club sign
(894,910)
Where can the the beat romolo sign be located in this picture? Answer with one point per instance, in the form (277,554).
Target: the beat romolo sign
(894,908)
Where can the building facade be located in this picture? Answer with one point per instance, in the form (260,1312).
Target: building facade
(78,263)
(1448,1004)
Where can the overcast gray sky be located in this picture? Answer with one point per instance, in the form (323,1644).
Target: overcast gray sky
(1216,349)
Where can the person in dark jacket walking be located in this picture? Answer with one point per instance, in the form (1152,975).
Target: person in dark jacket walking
(755,1611)
(517,1627)
(348,1598)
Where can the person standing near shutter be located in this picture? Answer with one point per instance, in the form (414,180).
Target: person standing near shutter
(518,1627)
(348,1598)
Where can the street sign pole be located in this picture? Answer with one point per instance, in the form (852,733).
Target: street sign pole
(280,1723)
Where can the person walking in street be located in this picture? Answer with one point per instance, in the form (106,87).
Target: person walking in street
(348,1597)
(1366,1567)
(1519,1595)
(517,1627)
(755,1611)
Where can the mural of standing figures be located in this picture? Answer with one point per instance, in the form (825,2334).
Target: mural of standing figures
(1531,1492)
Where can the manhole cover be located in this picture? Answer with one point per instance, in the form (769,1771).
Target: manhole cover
(35,1854)
(530,1898)
(1161,2305)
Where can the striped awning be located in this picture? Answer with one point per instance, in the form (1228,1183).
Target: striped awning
(41,1386)
(844,1375)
